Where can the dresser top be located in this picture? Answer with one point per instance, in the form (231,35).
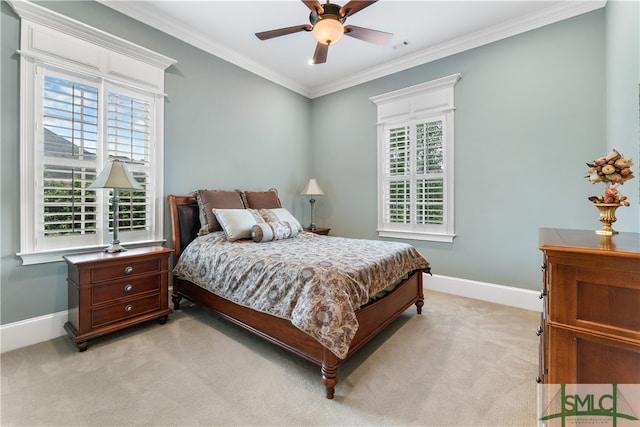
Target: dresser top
(589,242)
(102,255)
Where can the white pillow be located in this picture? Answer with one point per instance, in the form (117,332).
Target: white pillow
(280,215)
(237,223)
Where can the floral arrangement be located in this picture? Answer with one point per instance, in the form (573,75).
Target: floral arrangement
(612,170)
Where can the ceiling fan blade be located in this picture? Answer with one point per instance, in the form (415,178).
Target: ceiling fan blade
(371,36)
(320,55)
(264,35)
(314,6)
(354,7)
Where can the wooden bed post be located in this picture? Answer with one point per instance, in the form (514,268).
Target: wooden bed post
(420,301)
(175,296)
(329,372)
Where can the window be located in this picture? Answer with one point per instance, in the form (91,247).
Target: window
(73,151)
(86,97)
(415,156)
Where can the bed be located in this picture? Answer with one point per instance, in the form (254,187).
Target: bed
(327,318)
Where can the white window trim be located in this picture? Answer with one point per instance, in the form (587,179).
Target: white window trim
(419,102)
(50,38)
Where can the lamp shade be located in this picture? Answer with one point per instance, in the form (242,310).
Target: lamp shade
(312,189)
(116,175)
(328,30)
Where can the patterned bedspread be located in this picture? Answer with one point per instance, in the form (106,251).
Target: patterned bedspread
(317,282)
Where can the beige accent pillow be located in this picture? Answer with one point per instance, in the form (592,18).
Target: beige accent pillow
(261,199)
(237,223)
(280,215)
(219,199)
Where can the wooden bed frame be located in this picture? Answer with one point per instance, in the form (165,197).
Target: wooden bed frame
(373,318)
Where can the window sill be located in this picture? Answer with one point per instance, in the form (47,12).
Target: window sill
(433,237)
(33,258)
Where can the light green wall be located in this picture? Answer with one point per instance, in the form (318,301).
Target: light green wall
(530,111)
(623,80)
(225,128)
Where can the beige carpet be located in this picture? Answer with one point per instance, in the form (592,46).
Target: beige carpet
(462,363)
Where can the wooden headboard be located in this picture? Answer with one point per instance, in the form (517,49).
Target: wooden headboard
(185,222)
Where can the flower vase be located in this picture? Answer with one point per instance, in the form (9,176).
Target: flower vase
(607,217)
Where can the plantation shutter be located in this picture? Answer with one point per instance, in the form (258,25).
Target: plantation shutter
(413,195)
(398,169)
(429,206)
(69,164)
(82,130)
(129,139)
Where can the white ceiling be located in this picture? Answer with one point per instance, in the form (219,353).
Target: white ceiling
(422,31)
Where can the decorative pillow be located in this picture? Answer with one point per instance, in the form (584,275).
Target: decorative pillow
(219,199)
(261,199)
(237,223)
(279,215)
(268,231)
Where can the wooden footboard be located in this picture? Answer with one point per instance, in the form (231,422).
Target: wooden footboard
(274,329)
(372,318)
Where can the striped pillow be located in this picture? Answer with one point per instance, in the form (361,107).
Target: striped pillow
(274,230)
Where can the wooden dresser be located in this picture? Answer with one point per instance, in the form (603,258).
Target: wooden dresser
(590,326)
(111,291)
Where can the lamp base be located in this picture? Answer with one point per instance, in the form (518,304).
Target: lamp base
(115,246)
(312,202)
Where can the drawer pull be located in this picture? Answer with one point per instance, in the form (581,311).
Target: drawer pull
(128,269)
(543,267)
(538,380)
(128,308)
(128,287)
(539,331)
(543,294)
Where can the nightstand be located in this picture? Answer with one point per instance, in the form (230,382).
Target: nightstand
(112,291)
(323,231)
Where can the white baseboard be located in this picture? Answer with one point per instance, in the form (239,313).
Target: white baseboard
(43,328)
(499,294)
(32,331)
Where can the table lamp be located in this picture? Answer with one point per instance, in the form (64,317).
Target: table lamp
(312,189)
(115,176)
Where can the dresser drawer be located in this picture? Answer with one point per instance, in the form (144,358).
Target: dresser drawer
(124,288)
(599,300)
(121,270)
(124,310)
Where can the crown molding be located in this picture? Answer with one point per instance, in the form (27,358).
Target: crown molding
(48,18)
(508,29)
(159,22)
(550,15)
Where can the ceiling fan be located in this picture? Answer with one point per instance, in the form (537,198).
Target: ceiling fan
(327,25)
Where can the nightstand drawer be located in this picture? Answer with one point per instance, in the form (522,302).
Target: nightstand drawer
(124,310)
(124,288)
(121,270)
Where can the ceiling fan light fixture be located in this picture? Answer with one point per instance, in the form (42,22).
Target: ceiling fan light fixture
(328,30)
(326,21)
